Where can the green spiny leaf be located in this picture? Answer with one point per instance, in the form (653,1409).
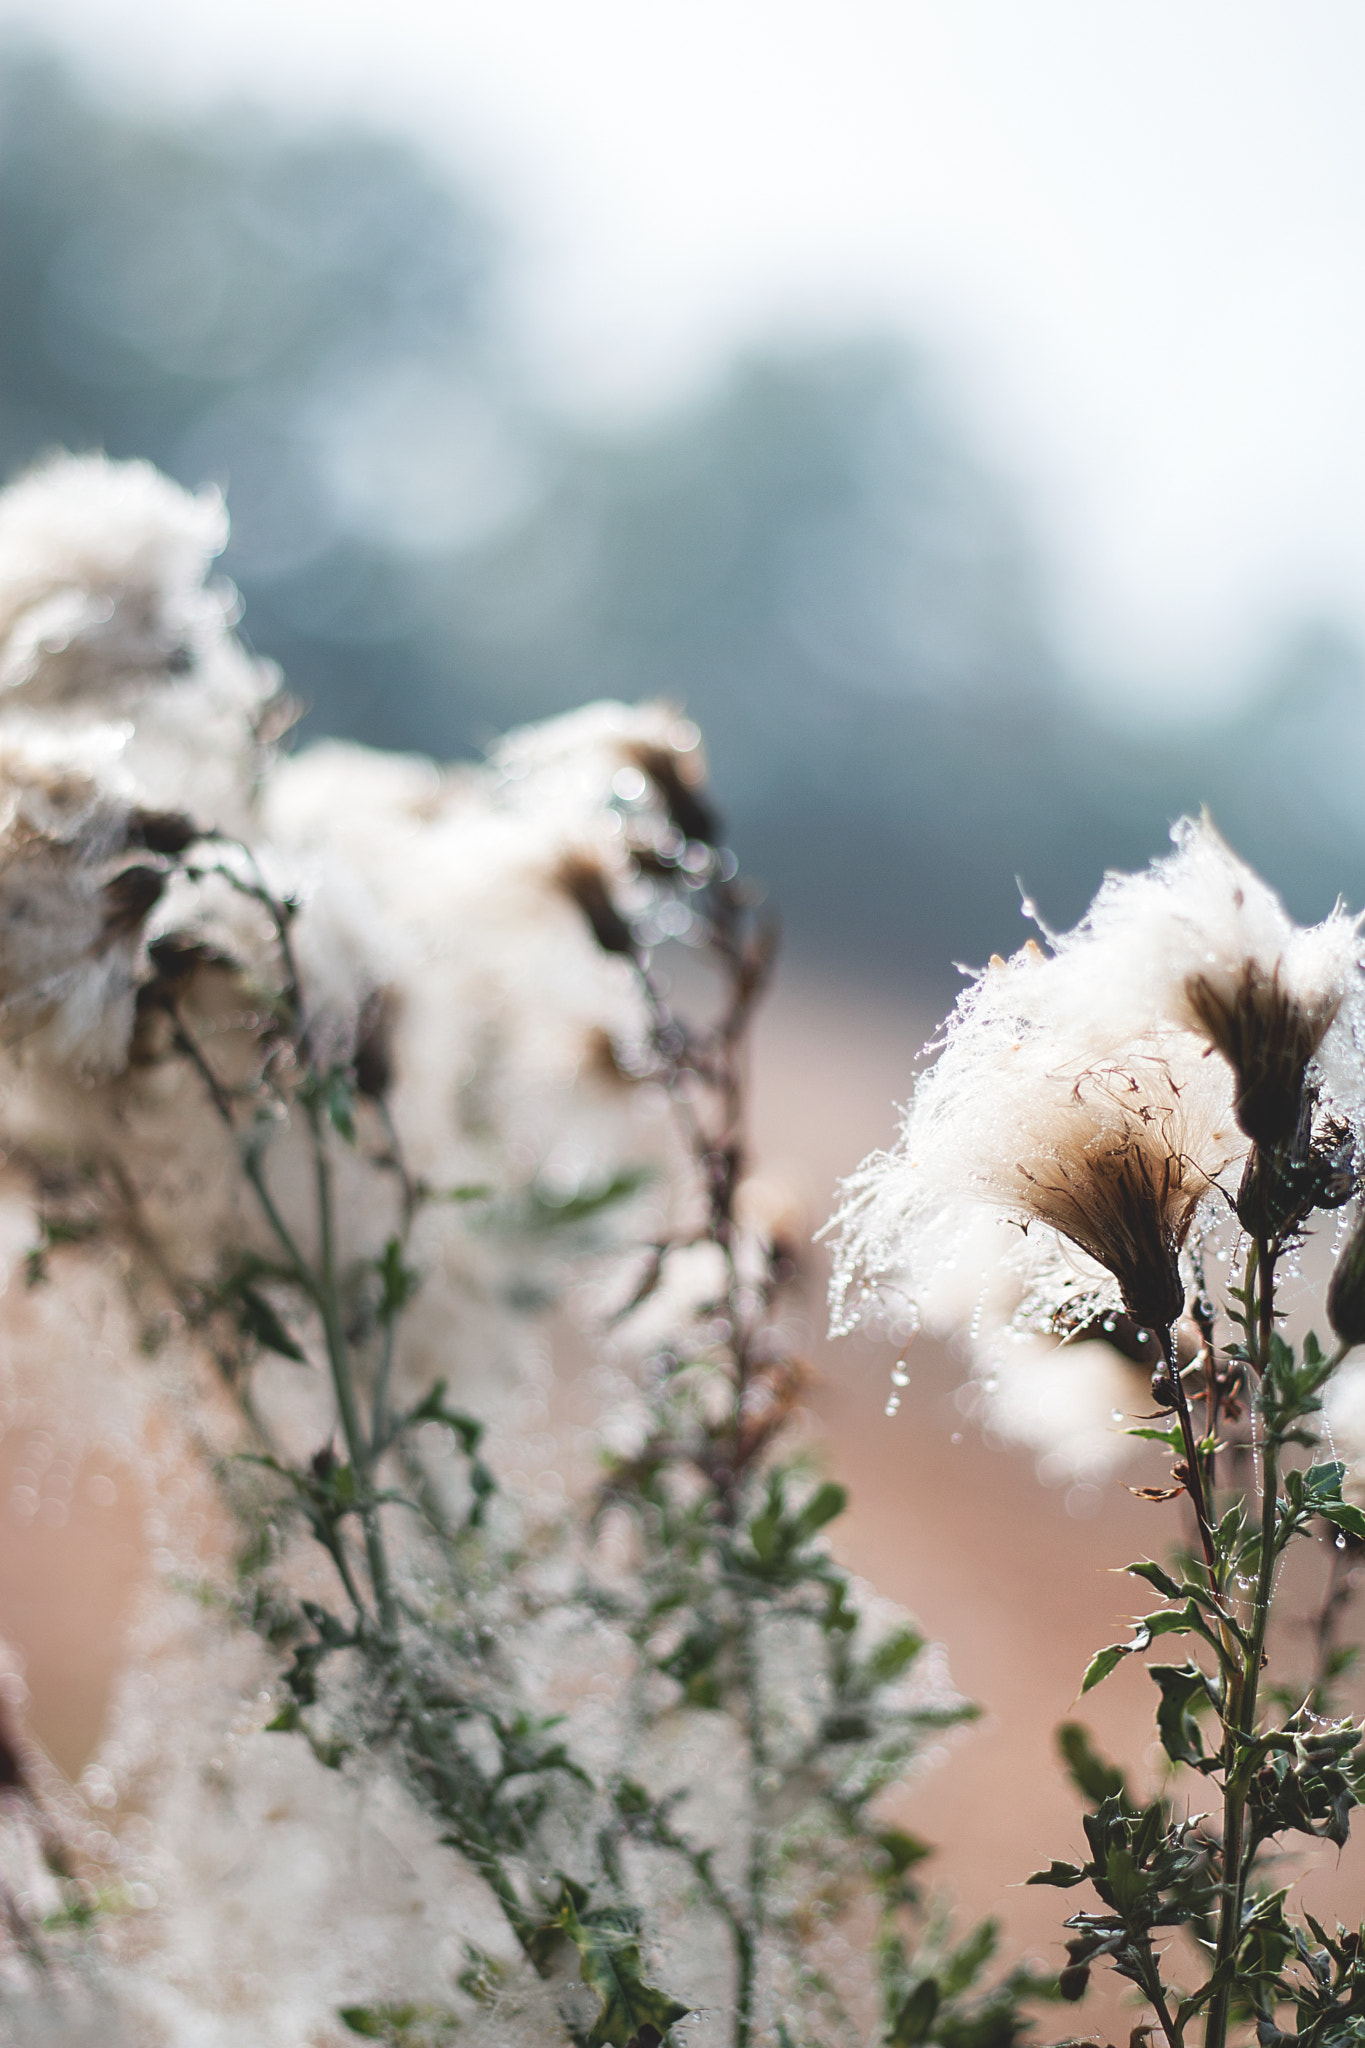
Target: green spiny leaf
(1064,1875)
(1156,1576)
(261,1320)
(904,1850)
(893,1655)
(824,1504)
(338,1097)
(1102,1663)
(969,1958)
(1184,1691)
(399,1282)
(916,2016)
(1093,1777)
(633,2012)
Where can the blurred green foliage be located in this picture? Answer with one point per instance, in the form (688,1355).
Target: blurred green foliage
(807,554)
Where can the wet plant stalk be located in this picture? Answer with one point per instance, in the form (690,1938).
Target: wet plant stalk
(1242,1705)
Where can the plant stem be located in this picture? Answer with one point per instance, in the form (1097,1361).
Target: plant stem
(1240,1720)
(1157,1997)
(358,1446)
(432,1757)
(1194,1484)
(757,1873)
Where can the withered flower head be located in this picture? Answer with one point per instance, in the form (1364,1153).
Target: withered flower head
(581,878)
(1267,1033)
(1126,1193)
(1106,1154)
(73,906)
(680,790)
(1199,943)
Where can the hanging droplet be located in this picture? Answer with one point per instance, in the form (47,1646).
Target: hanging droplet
(893,1404)
(1116,1415)
(900,1377)
(1341,1541)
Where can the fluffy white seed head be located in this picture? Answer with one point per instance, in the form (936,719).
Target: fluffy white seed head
(1105,1152)
(1200,943)
(1089,1109)
(75,893)
(106,617)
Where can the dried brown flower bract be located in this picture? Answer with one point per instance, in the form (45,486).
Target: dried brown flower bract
(581,878)
(1268,1033)
(1127,1199)
(128,895)
(373,1060)
(694,817)
(166,832)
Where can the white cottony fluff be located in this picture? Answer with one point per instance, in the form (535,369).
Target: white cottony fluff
(102,567)
(106,618)
(74,894)
(1095,1096)
(1198,942)
(1035,1121)
(142,811)
(1199,912)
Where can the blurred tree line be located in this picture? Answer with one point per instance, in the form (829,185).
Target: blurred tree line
(807,554)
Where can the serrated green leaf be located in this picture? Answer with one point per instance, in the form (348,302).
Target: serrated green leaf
(545,1211)
(398,1282)
(633,2012)
(763,1534)
(1184,1693)
(1094,1778)
(840,1616)
(1281,1354)
(1102,1663)
(400,2026)
(259,1318)
(916,2016)
(1156,1576)
(1063,1875)
(905,1850)
(824,1504)
(363,2020)
(893,1655)
(339,1101)
(969,1959)
(1167,1621)
(1342,1515)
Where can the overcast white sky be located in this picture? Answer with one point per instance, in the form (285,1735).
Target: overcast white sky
(1134,235)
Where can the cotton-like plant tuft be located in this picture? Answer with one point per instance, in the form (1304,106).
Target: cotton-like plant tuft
(335,1088)
(1174,1086)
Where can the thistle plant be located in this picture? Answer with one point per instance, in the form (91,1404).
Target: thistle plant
(1176,1084)
(327,1080)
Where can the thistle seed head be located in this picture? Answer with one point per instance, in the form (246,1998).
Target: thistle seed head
(1267,1033)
